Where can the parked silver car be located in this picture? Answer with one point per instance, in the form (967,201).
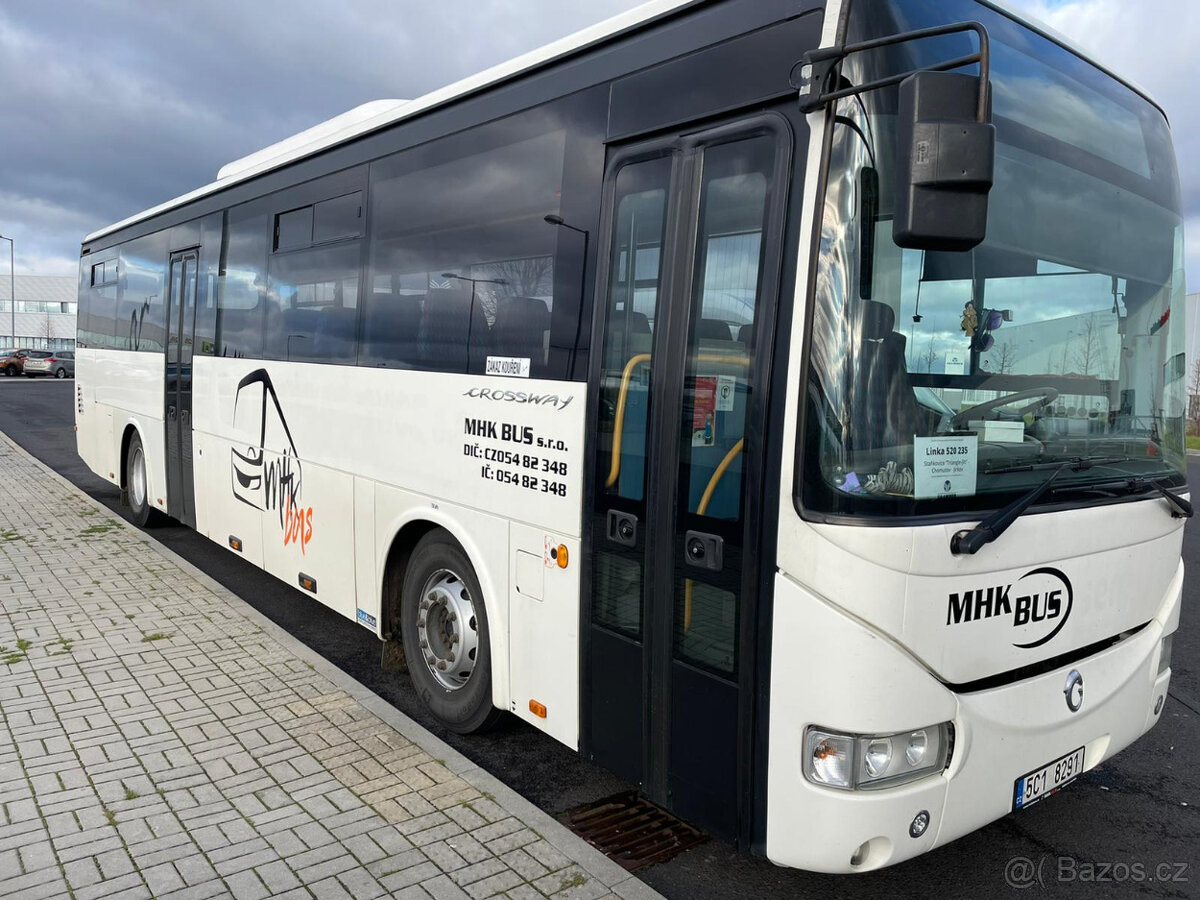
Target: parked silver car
(60,364)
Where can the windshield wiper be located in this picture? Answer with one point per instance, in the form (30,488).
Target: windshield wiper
(1075,464)
(1180,508)
(972,540)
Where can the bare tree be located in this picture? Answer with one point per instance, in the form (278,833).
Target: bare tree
(529,277)
(1090,347)
(929,357)
(1004,358)
(1062,362)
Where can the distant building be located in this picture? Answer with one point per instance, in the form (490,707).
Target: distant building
(45,314)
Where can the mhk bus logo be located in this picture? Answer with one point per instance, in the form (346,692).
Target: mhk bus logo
(1038,604)
(277,484)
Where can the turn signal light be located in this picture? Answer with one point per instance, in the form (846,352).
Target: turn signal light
(561,556)
(538,709)
(308,583)
(235,543)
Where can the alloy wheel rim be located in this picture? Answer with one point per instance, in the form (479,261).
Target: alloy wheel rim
(447,629)
(138,477)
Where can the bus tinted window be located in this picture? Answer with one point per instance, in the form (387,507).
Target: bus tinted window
(141,308)
(338,218)
(294,229)
(313,312)
(461,250)
(242,286)
(204,343)
(97,316)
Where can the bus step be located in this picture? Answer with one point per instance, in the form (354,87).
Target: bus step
(632,831)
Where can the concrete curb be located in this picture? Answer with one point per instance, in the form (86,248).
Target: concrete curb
(609,873)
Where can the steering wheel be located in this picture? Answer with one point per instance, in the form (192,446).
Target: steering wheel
(1040,396)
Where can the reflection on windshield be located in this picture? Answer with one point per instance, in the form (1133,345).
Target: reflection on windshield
(938,379)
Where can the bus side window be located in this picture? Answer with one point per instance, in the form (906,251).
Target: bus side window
(242,286)
(97,301)
(141,308)
(464,234)
(211,229)
(314,310)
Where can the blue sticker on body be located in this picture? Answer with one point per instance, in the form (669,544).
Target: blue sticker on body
(365,618)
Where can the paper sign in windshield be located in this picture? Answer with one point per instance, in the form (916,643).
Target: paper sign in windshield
(945,466)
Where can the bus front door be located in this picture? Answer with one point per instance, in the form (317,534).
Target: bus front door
(689,281)
(181,318)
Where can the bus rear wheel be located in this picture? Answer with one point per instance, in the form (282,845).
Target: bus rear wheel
(445,635)
(137,483)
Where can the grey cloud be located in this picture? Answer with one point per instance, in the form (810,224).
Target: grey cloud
(115,106)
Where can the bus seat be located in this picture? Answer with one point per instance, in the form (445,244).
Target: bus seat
(745,334)
(637,327)
(448,318)
(391,329)
(520,328)
(883,407)
(712,330)
(335,332)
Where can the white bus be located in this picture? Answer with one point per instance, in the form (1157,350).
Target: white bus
(682,389)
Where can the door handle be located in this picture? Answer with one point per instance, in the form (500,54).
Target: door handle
(704,551)
(170,412)
(622,528)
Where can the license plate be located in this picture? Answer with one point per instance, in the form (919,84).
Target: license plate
(1047,780)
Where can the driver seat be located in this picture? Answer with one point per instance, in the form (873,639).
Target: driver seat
(883,407)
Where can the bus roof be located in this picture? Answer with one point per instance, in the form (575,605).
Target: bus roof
(379,114)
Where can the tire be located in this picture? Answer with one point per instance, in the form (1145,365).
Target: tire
(60,372)
(10,370)
(440,591)
(137,491)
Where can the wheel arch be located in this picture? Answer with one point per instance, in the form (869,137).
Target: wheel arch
(156,476)
(402,536)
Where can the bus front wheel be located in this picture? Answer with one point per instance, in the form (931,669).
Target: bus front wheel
(445,633)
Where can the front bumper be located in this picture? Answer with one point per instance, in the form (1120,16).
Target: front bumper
(875,686)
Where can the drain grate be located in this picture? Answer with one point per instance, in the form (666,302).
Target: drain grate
(631,830)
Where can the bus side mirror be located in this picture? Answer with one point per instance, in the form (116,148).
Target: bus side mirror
(945,160)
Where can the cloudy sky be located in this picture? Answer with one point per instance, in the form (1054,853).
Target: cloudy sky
(111,106)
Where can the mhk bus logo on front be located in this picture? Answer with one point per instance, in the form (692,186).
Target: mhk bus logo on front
(1039,602)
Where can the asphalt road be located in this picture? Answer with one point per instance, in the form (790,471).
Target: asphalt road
(1130,826)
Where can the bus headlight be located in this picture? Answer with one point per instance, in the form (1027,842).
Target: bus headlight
(865,762)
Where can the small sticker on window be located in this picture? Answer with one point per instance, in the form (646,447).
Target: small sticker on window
(510,366)
(945,466)
(726,392)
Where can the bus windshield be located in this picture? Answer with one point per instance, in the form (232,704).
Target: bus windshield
(941,382)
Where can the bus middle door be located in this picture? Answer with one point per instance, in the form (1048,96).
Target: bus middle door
(689,279)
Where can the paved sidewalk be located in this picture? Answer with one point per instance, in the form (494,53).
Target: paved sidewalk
(159,738)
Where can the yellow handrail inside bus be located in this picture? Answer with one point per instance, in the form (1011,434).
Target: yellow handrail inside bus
(614,471)
(701,507)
